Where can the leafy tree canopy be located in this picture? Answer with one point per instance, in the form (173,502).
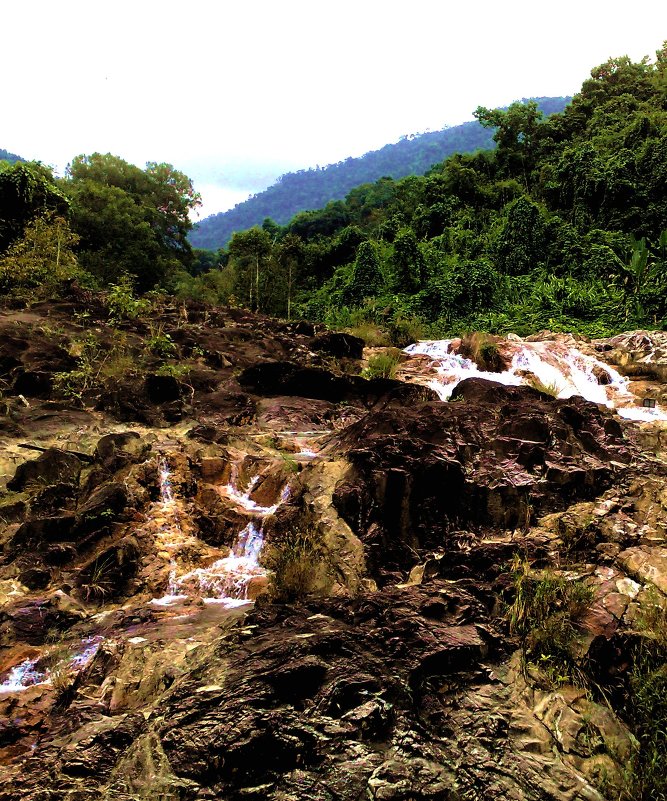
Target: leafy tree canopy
(27,190)
(130,220)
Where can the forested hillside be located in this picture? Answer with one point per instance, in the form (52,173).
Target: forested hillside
(312,189)
(12,158)
(563,225)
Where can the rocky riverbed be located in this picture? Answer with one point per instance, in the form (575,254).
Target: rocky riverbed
(234,568)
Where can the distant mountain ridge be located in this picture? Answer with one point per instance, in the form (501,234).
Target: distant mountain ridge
(314,188)
(12,158)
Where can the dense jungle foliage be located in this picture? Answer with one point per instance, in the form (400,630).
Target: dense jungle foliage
(562,226)
(105,220)
(314,188)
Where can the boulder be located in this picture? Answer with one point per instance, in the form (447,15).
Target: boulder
(54,466)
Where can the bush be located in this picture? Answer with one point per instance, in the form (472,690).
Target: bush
(121,302)
(404,331)
(543,614)
(297,563)
(42,259)
(382,365)
(482,350)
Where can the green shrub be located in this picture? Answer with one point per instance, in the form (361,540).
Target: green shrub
(298,564)
(544,615)
(552,389)
(403,331)
(382,365)
(158,343)
(121,302)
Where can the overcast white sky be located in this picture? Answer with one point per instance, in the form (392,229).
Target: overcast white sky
(236,92)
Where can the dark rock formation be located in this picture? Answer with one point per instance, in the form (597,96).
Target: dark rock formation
(495,459)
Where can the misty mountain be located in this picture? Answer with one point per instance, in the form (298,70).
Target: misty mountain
(314,188)
(12,158)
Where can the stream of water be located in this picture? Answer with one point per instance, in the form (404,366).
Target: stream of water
(564,370)
(229,580)
(30,674)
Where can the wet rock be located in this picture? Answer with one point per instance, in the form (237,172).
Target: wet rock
(54,499)
(227,406)
(35,578)
(117,450)
(127,402)
(418,780)
(33,622)
(286,378)
(12,511)
(286,413)
(60,554)
(41,531)
(107,575)
(162,388)
(339,345)
(299,679)
(96,756)
(497,458)
(102,509)
(52,467)
(33,384)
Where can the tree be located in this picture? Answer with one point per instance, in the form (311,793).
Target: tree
(249,249)
(408,261)
(366,276)
(27,190)
(521,245)
(131,220)
(289,255)
(43,257)
(516,136)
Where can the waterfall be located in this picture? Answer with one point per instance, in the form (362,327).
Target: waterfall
(229,580)
(564,369)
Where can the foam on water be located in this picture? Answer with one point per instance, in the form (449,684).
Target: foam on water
(226,581)
(243,498)
(564,369)
(25,675)
(22,676)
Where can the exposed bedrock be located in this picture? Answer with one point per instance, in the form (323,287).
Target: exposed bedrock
(494,457)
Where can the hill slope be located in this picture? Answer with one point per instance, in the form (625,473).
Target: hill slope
(314,188)
(12,158)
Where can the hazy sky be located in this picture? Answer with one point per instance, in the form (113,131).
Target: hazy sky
(234,93)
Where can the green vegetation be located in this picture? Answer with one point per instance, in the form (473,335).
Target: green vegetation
(562,226)
(382,365)
(295,192)
(646,705)
(544,614)
(298,564)
(105,221)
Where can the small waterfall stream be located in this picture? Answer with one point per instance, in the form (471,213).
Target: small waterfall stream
(564,369)
(230,580)
(30,674)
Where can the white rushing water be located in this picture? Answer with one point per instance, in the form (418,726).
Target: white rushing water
(229,580)
(564,369)
(27,674)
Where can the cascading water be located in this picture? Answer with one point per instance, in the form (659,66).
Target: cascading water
(564,369)
(230,580)
(22,676)
(243,498)
(29,674)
